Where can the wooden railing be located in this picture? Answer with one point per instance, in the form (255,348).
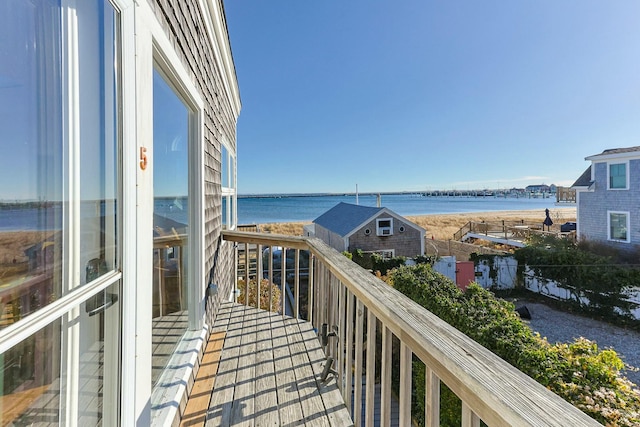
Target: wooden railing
(496,228)
(565,195)
(351,306)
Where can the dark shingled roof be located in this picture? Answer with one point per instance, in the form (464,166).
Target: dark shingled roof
(343,218)
(621,150)
(584,180)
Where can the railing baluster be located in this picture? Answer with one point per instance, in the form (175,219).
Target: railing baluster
(296,309)
(310,290)
(333,315)
(246,274)
(405,384)
(259,274)
(341,335)
(283,279)
(469,418)
(385,378)
(357,401)
(348,389)
(371,369)
(432,398)
(271,284)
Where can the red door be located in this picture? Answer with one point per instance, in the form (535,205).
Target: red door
(465,274)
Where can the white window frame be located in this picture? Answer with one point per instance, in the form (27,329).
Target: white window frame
(626,179)
(628,225)
(229,193)
(155,50)
(384,231)
(67,308)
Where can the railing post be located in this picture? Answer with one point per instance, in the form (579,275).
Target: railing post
(371,369)
(258,274)
(432,398)
(357,400)
(349,357)
(405,384)
(385,378)
(469,418)
(310,285)
(283,279)
(271,281)
(342,335)
(246,274)
(296,279)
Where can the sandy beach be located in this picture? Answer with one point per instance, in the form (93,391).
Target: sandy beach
(443,226)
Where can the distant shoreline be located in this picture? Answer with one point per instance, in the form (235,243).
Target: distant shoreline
(444,225)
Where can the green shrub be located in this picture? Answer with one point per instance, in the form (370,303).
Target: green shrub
(585,274)
(579,372)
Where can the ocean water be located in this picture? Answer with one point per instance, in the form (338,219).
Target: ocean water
(260,210)
(257,210)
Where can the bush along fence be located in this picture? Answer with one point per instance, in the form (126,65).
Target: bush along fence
(560,270)
(582,374)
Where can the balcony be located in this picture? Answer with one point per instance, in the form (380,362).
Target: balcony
(361,359)
(565,196)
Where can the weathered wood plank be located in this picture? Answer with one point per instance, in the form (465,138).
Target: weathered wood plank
(333,403)
(370,380)
(405,384)
(432,398)
(242,412)
(222,399)
(198,403)
(357,376)
(266,402)
(385,378)
(289,405)
(310,399)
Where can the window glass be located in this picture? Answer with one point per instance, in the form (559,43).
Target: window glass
(232,172)
(225,166)
(225,219)
(171,137)
(31,163)
(99,138)
(35,195)
(31,381)
(618,176)
(618,226)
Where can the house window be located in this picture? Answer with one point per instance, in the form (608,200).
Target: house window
(619,226)
(61,216)
(618,176)
(384,226)
(229,192)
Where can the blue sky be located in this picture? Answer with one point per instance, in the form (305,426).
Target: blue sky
(422,94)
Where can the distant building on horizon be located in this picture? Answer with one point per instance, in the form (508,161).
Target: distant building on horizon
(540,188)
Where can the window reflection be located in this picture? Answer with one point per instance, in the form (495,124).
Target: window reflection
(170,220)
(34,178)
(31,171)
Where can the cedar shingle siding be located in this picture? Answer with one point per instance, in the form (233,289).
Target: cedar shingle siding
(183,23)
(406,243)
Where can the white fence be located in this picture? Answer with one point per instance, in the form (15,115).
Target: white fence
(501,273)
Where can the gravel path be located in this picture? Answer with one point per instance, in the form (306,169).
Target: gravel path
(559,326)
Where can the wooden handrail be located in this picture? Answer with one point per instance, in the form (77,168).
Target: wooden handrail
(490,388)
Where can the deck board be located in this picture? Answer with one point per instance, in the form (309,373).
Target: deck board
(267,374)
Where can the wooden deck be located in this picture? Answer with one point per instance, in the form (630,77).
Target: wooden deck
(267,375)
